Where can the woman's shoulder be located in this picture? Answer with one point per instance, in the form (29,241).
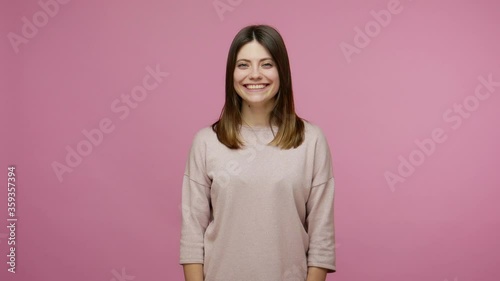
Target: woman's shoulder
(204,134)
(312,129)
(316,137)
(205,131)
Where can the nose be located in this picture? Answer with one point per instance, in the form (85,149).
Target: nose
(255,73)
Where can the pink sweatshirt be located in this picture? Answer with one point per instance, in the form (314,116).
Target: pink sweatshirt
(259,213)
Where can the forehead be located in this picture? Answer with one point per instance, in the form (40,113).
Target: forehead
(253,51)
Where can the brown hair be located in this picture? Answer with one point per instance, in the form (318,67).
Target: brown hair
(290,126)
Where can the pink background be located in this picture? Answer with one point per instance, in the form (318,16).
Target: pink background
(119,208)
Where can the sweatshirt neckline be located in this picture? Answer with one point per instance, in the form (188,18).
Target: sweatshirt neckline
(259,128)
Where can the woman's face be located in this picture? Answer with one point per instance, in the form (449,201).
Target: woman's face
(256,78)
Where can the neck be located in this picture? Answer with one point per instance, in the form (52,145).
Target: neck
(256,115)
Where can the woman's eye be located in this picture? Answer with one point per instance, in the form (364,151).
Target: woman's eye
(245,65)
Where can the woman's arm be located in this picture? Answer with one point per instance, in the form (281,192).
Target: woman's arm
(316,274)
(193,272)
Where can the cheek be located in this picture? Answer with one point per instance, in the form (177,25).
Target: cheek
(238,76)
(236,83)
(274,76)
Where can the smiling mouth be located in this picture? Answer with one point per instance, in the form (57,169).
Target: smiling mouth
(255,86)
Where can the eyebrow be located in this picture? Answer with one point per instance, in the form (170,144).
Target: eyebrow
(249,60)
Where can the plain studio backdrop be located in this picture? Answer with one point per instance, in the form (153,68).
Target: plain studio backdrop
(101,100)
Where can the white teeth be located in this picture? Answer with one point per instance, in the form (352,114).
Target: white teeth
(256,86)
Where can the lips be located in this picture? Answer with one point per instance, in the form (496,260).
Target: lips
(256,86)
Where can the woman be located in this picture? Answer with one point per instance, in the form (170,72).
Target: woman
(258,188)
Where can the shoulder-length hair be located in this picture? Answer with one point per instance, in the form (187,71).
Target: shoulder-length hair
(290,126)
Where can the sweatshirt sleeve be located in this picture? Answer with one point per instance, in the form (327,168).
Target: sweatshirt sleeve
(319,206)
(196,206)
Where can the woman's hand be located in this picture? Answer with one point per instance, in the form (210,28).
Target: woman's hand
(316,273)
(193,272)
